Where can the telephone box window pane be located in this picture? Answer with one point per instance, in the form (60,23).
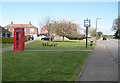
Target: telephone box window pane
(17,40)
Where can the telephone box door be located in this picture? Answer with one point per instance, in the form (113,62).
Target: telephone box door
(18,39)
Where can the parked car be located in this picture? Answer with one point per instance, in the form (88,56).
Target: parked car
(31,37)
(104,38)
(46,38)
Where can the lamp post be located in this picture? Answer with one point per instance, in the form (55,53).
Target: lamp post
(86,24)
(96,29)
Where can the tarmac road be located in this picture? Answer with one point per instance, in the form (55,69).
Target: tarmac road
(112,46)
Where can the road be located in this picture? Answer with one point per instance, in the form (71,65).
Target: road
(112,46)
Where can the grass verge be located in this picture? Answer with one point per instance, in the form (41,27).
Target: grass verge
(42,66)
(60,45)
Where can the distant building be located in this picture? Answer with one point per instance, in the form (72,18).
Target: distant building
(4,32)
(29,28)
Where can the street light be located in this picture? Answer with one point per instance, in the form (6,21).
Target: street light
(96,29)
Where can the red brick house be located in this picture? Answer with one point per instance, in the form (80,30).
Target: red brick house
(29,28)
(44,31)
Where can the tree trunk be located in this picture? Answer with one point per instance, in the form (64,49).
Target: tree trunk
(63,38)
(50,39)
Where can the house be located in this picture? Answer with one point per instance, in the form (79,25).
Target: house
(4,32)
(44,31)
(28,28)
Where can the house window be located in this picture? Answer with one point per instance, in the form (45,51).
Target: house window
(7,29)
(25,29)
(31,29)
(46,31)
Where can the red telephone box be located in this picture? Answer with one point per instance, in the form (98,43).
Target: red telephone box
(19,39)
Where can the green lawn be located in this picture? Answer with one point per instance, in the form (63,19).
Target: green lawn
(42,66)
(5,45)
(61,45)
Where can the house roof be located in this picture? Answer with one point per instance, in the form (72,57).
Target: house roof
(2,30)
(20,25)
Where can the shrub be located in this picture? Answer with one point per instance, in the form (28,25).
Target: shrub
(76,38)
(11,39)
(117,34)
(27,37)
(7,39)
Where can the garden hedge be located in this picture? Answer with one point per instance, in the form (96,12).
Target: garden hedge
(11,39)
(7,39)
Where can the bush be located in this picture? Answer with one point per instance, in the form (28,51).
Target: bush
(7,39)
(76,38)
(27,37)
(117,34)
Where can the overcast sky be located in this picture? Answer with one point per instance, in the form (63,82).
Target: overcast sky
(23,12)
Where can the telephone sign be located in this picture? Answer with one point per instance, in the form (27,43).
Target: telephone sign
(19,39)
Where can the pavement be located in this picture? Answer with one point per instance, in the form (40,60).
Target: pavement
(100,66)
(11,47)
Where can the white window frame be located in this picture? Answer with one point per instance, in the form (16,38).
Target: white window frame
(31,29)
(24,29)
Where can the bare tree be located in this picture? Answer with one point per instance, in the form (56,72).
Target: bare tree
(91,31)
(65,28)
(46,22)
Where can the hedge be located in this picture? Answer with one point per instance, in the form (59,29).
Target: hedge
(7,39)
(11,39)
(76,38)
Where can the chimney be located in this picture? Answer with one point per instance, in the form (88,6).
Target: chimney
(29,22)
(11,22)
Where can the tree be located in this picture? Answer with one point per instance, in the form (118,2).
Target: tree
(91,31)
(66,28)
(100,34)
(116,27)
(116,24)
(117,34)
(46,22)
